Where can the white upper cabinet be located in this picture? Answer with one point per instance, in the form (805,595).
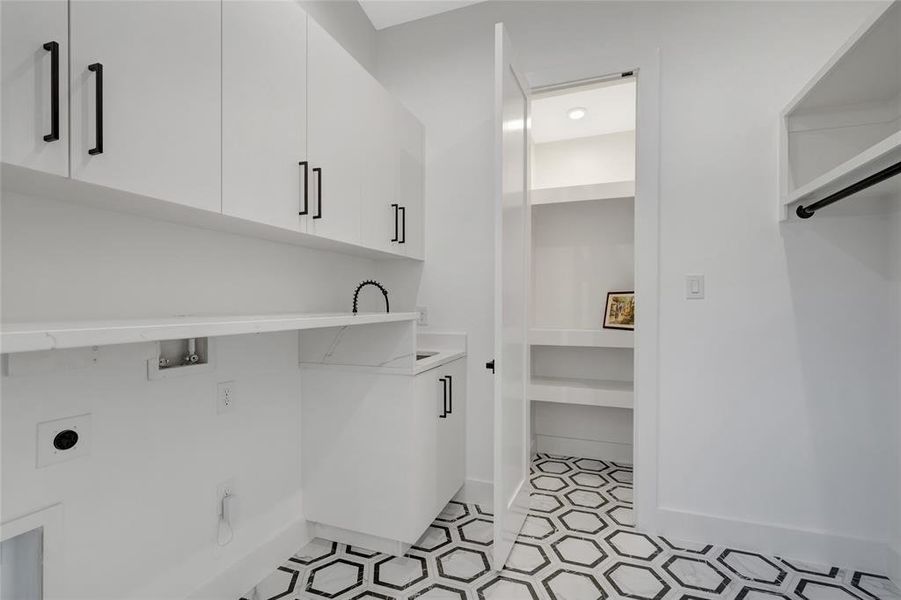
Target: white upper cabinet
(410,179)
(145,80)
(335,117)
(247,108)
(35,54)
(382,216)
(264,112)
(369,150)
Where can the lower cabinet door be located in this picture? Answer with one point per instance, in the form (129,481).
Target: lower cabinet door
(367,453)
(451,439)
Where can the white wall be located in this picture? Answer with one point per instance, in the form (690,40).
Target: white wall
(775,406)
(580,251)
(348,24)
(61,261)
(583,161)
(140,511)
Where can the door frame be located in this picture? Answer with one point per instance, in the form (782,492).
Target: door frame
(646,408)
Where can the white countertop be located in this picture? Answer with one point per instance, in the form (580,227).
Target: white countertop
(26,337)
(441,358)
(447,346)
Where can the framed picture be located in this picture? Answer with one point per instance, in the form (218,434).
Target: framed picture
(620,311)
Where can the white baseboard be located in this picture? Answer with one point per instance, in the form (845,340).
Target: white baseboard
(361,540)
(242,575)
(562,446)
(814,547)
(261,543)
(477,491)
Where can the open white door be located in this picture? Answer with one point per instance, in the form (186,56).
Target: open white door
(511,414)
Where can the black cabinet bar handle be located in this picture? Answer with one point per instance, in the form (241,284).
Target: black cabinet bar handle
(403,225)
(395,238)
(53,49)
(318,171)
(305,209)
(444,400)
(450,394)
(97,68)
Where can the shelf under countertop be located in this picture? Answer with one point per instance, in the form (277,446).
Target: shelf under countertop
(31,336)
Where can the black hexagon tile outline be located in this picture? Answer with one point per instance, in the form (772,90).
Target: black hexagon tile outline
(311,582)
(485,566)
(377,572)
(561,522)
(728,553)
(547,582)
(721,586)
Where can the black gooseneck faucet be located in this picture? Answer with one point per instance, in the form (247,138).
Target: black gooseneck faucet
(376,284)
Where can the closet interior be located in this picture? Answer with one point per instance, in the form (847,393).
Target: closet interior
(583,222)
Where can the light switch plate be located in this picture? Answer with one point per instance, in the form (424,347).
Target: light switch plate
(49,453)
(694,287)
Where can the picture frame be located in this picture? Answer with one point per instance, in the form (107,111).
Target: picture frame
(619,312)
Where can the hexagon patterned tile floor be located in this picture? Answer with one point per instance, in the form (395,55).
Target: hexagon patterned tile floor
(578,543)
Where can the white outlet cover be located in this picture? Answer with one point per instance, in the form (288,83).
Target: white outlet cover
(423,319)
(225,397)
(48,454)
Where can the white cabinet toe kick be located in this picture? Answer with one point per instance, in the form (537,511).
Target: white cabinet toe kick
(382,442)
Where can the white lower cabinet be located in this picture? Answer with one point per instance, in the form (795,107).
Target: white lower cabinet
(382,454)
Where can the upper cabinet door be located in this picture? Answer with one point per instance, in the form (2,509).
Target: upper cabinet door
(335,118)
(145,79)
(410,167)
(264,112)
(35,87)
(383,216)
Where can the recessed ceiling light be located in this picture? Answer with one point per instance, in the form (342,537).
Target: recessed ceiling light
(576,113)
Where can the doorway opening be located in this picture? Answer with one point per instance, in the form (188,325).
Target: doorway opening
(582,306)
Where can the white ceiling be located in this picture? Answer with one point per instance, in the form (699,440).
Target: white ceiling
(611,108)
(385,13)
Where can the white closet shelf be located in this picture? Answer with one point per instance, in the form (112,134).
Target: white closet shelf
(591,338)
(587,392)
(581,193)
(871,160)
(27,337)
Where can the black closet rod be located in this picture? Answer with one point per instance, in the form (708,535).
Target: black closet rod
(805,212)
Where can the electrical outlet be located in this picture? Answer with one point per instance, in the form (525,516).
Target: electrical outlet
(63,439)
(225,396)
(423,319)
